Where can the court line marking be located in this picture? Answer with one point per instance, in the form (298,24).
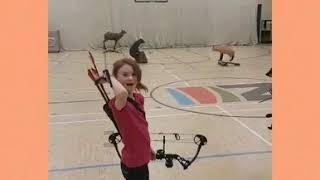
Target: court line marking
(149,117)
(83,114)
(105,119)
(199,158)
(72,122)
(245,126)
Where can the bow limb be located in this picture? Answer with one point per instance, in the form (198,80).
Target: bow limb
(115,141)
(200,140)
(184,162)
(189,162)
(100,87)
(93,72)
(93,62)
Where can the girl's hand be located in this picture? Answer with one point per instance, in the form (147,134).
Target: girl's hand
(95,76)
(153,155)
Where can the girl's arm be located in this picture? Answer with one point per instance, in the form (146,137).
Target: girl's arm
(120,93)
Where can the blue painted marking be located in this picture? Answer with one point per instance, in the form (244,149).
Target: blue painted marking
(180,97)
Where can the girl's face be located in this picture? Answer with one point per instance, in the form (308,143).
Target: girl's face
(127,77)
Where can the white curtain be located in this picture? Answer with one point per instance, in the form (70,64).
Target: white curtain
(175,23)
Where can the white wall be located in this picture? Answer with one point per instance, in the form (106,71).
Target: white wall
(176,23)
(266,9)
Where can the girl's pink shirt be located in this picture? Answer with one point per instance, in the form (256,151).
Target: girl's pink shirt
(133,128)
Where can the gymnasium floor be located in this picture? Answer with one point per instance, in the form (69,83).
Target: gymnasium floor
(188,93)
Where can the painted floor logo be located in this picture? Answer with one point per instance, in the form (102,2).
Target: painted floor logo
(188,96)
(238,96)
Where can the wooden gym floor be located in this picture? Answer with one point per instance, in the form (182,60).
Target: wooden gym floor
(188,93)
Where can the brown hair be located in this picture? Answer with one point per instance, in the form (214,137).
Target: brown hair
(136,69)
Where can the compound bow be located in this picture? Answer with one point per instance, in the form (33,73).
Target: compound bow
(115,138)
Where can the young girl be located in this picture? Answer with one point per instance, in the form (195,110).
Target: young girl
(128,110)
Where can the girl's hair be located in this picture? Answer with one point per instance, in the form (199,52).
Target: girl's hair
(136,69)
